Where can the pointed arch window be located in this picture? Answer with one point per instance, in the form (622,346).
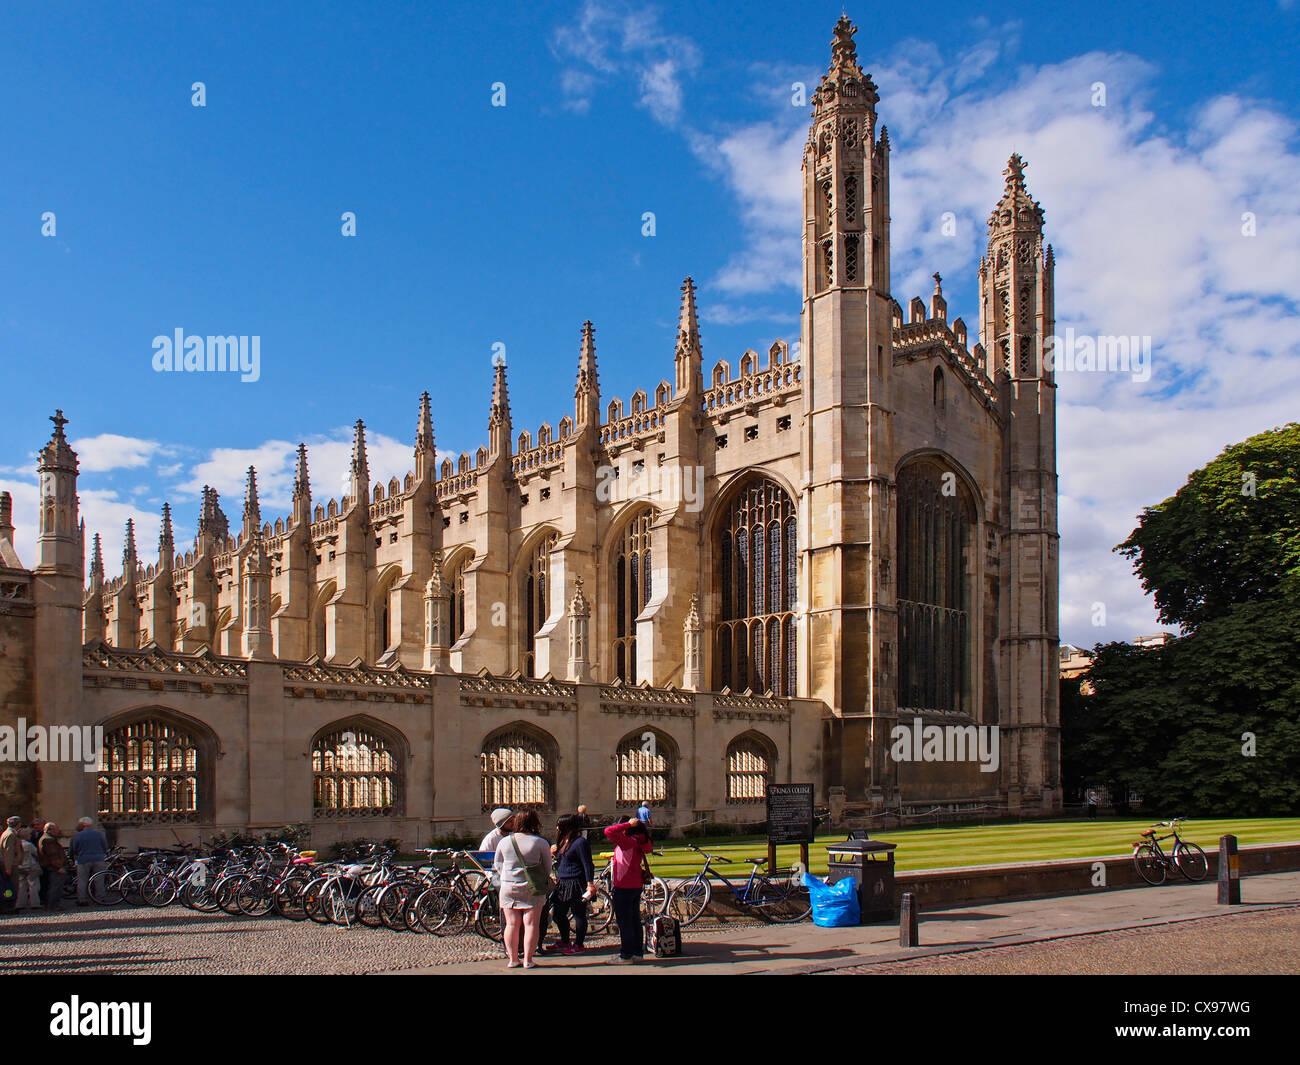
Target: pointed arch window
(152,771)
(646,769)
(631,581)
(537,602)
(518,769)
(936,521)
(751,762)
(456,581)
(758,586)
(356,772)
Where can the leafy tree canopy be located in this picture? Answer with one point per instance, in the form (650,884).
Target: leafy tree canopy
(1229,536)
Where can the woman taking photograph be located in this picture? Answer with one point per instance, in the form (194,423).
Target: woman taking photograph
(577,883)
(631,841)
(524,863)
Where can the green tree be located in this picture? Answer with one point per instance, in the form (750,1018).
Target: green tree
(1228,536)
(1209,723)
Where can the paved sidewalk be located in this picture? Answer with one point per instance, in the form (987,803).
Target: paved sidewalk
(805,948)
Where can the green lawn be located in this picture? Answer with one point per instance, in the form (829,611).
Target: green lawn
(935,848)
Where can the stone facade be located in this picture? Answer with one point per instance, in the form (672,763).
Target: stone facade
(804,549)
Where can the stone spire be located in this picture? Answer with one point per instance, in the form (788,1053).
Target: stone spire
(130,564)
(8,557)
(97,565)
(94,625)
(586,407)
(1017,210)
(58,539)
(845,78)
(689,357)
(424,450)
(57,454)
(359,472)
(212,520)
(252,508)
(499,419)
(166,541)
(938,305)
(302,490)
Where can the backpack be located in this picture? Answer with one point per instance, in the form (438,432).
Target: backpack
(663,936)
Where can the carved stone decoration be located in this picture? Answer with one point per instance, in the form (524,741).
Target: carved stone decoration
(579,629)
(436,619)
(693,676)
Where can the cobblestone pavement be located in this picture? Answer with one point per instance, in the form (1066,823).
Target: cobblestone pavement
(176,941)
(1263,942)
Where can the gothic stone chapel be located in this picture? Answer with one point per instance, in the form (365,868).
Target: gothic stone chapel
(870,539)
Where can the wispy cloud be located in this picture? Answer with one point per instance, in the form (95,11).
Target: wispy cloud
(610,39)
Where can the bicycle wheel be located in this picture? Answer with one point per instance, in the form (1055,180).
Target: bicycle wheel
(600,912)
(104,888)
(442,910)
(199,897)
(227,892)
(158,889)
(1190,861)
(254,896)
(311,897)
(131,884)
(288,899)
(1149,865)
(368,907)
(487,918)
(392,905)
(654,898)
(781,901)
(689,899)
(335,903)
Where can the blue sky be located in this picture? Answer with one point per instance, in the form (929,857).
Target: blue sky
(479,225)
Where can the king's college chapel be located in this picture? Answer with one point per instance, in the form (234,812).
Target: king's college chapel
(751,573)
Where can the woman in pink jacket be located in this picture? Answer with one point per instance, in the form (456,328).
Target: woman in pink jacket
(631,839)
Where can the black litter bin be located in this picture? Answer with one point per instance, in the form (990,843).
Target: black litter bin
(870,862)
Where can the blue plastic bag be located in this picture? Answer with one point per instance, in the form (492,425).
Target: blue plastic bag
(833,905)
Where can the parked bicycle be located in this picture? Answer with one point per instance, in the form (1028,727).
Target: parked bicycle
(1153,864)
(782,899)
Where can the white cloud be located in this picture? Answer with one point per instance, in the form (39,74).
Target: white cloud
(1147,224)
(108,451)
(610,39)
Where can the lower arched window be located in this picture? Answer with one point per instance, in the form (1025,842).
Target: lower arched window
(518,770)
(150,770)
(646,770)
(751,761)
(356,772)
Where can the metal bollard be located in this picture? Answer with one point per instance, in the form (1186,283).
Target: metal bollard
(908,935)
(1229,872)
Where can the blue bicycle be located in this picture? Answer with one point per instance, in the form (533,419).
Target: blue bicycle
(783,899)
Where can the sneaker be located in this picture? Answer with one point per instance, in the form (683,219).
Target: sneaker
(572,950)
